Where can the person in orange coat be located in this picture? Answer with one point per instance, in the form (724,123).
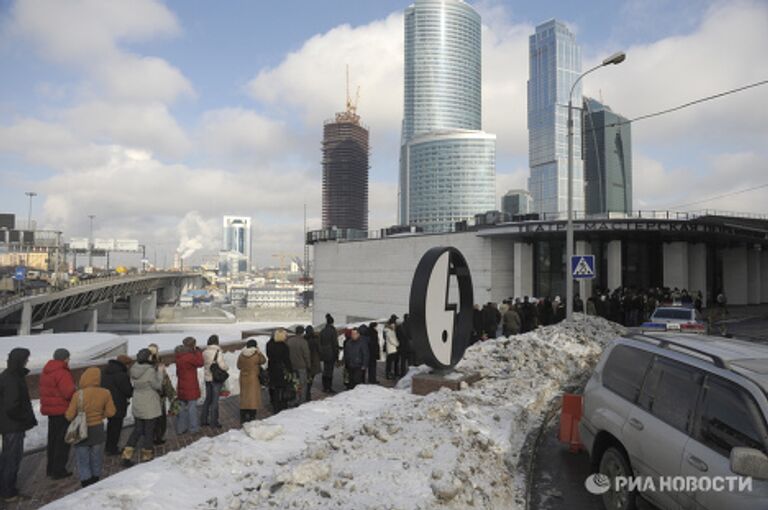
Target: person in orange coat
(97,404)
(249,363)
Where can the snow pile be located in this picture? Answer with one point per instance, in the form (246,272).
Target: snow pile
(375,447)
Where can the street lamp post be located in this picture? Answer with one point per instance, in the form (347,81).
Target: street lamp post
(616,58)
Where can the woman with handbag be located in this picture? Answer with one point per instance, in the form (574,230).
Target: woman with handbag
(95,403)
(249,362)
(147,381)
(281,376)
(215,376)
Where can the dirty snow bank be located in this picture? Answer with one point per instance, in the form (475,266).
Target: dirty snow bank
(375,447)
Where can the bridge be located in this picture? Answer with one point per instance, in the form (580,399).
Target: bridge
(78,307)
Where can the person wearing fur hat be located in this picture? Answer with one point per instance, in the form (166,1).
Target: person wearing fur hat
(97,404)
(212,354)
(147,382)
(56,389)
(249,363)
(189,358)
(329,352)
(17,417)
(280,371)
(115,379)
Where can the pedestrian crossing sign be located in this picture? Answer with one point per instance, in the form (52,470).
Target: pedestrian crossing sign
(583,267)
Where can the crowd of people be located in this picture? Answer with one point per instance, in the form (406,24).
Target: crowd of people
(295,359)
(627,306)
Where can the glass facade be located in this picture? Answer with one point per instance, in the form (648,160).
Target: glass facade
(451,178)
(555,64)
(607,160)
(237,236)
(516,201)
(442,94)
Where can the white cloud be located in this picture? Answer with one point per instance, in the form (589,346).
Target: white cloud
(86,34)
(726,51)
(239,133)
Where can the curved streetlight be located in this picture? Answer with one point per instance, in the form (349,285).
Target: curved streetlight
(616,58)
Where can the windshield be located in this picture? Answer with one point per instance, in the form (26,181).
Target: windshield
(672,313)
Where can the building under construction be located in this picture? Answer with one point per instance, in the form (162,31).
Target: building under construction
(345,171)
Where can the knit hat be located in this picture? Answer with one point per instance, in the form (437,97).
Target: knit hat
(213,340)
(189,342)
(251,344)
(60,354)
(328,318)
(152,348)
(143,356)
(125,360)
(280,335)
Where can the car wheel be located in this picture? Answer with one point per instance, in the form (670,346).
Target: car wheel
(615,464)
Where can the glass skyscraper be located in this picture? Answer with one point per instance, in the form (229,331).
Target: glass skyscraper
(236,240)
(555,64)
(607,160)
(447,164)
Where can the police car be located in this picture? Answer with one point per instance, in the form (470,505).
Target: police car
(675,318)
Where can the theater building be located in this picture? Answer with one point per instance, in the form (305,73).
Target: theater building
(360,276)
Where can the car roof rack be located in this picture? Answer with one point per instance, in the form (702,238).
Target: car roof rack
(665,343)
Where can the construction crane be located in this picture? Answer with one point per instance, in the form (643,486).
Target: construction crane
(350,115)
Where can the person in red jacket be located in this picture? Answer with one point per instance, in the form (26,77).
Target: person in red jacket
(188,359)
(56,389)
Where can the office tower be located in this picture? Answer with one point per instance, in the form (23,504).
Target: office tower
(447,163)
(555,64)
(345,170)
(516,201)
(607,160)
(237,238)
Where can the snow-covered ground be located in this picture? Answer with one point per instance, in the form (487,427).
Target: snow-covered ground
(375,447)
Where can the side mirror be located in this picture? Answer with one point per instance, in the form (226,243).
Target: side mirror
(749,462)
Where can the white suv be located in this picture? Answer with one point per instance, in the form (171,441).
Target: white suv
(671,405)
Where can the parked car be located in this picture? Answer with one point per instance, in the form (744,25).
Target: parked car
(675,318)
(671,404)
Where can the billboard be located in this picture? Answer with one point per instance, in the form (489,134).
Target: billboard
(104,244)
(126,245)
(78,243)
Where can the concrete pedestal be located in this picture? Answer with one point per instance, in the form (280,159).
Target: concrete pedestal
(424,384)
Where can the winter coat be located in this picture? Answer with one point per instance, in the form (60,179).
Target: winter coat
(374,348)
(403,337)
(56,388)
(490,320)
(329,344)
(391,342)
(16,413)
(115,379)
(356,353)
(249,363)
(279,363)
(209,354)
(299,352)
(188,360)
(511,322)
(314,355)
(147,384)
(97,401)
(591,309)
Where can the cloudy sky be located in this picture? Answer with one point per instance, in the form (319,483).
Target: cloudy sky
(160,117)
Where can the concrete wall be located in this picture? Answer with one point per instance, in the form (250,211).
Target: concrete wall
(614,277)
(146,304)
(697,269)
(502,269)
(372,279)
(735,275)
(676,265)
(523,269)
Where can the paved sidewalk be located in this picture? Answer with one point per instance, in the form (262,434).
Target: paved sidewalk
(42,490)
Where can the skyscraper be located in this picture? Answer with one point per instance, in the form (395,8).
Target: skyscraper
(345,171)
(555,64)
(237,239)
(447,164)
(607,160)
(516,201)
